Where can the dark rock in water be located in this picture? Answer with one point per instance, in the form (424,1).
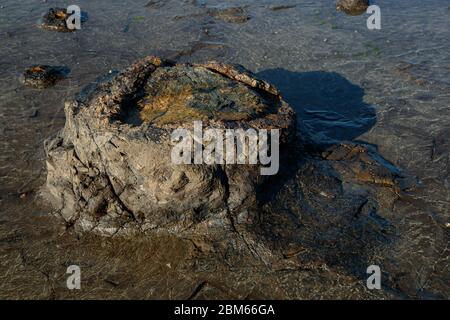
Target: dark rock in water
(353,7)
(282,7)
(229,14)
(156,4)
(199,3)
(43,76)
(110,169)
(414,73)
(56,19)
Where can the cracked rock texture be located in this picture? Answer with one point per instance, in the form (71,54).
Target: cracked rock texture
(110,171)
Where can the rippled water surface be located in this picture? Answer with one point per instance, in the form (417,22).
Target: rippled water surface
(388,87)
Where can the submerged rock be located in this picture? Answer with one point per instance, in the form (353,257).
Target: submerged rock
(353,7)
(282,7)
(110,168)
(155,4)
(229,14)
(43,76)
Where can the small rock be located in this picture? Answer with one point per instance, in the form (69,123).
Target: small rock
(282,7)
(56,19)
(43,76)
(128,181)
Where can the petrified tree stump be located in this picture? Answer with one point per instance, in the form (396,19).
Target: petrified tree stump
(110,169)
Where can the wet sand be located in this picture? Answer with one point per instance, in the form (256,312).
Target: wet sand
(388,88)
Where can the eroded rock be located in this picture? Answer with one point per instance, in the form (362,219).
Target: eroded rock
(110,168)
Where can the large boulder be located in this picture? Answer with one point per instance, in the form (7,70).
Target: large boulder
(111,170)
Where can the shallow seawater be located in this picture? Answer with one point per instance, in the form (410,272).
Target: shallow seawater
(389,88)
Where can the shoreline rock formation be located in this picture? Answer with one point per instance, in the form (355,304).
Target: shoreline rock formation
(43,76)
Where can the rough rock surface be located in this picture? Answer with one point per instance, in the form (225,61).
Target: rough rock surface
(353,7)
(110,171)
(43,76)
(229,14)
